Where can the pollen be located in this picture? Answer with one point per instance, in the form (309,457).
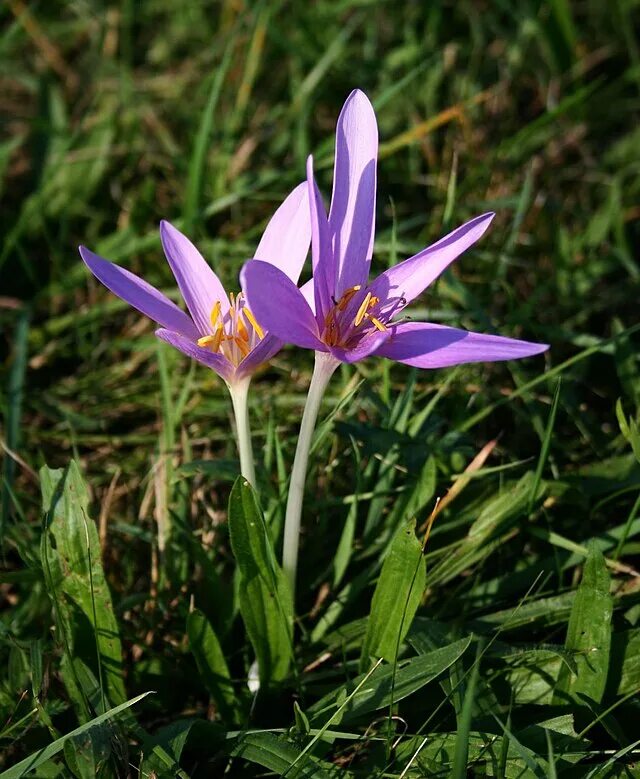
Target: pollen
(362,310)
(215,314)
(259,331)
(378,324)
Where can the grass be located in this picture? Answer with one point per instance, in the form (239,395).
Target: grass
(522,657)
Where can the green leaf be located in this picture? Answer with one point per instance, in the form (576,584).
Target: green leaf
(41,756)
(212,665)
(387,683)
(396,597)
(163,750)
(75,580)
(589,632)
(629,429)
(264,596)
(277,754)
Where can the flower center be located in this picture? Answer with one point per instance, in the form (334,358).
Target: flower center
(340,324)
(234,335)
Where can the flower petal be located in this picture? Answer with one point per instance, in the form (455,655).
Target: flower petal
(199,285)
(261,353)
(139,294)
(217,362)
(409,278)
(366,347)
(279,306)
(322,256)
(353,203)
(285,241)
(426,345)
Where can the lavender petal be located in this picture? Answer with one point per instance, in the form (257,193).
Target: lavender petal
(199,285)
(139,294)
(426,345)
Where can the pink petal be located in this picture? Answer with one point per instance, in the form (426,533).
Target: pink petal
(409,278)
(279,306)
(217,362)
(139,294)
(199,285)
(426,345)
(353,203)
(285,241)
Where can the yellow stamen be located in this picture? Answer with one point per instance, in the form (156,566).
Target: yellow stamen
(232,299)
(242,330)
(254,324)
(374,301)
(212,341)
(346,297)
(378,324)
(362,310)
(244,348)
(215,314)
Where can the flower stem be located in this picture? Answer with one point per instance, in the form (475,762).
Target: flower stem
(324,367)
(239,391)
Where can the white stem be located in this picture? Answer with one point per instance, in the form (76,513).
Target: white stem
(239,391)
(324,367)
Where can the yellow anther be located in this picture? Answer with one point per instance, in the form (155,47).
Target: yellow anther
(232,299)
(254,324)
(374,301)
(362,310)
(242,330)
(212,341)
(346,297)
(244,348)
(378,324)
(215,314)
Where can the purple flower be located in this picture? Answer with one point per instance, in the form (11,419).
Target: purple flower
(220,331)
(342,313)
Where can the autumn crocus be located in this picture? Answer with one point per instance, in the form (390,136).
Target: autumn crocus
(347,317)
(219,330)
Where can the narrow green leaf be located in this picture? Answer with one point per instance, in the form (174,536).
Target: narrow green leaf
(212,665)
(277,754)
(396,597)
(388,682)
(589,633)
(461,753)
(197,161)
(75,580)
(12,414)
(265,600)
(544,451)
(35,760)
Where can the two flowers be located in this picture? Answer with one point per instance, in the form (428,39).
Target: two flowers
(339,314)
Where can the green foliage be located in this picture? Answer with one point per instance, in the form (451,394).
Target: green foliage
(589,632)
(213,668)
(265,600)
(396,597)
(77,587)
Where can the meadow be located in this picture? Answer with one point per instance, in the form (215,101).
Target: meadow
(486,516)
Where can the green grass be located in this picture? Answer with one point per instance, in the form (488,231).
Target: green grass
(521,659)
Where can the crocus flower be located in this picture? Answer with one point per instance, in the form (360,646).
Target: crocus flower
(345,317)
(349,317)
(220,330)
